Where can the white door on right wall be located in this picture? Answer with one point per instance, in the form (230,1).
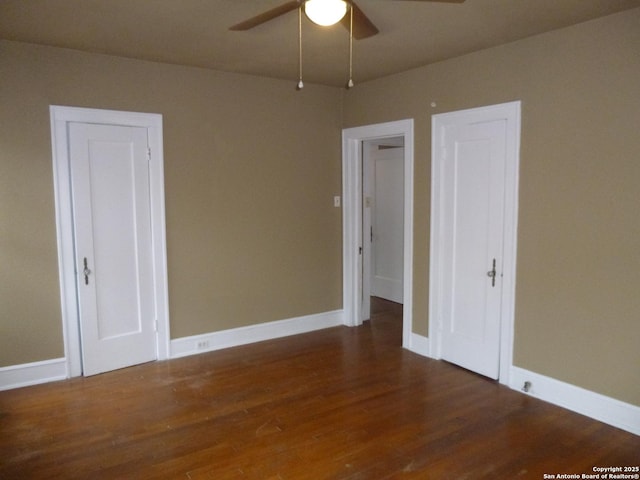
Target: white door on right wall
(472,153)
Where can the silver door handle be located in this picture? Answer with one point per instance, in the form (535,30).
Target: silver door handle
(86,272)
(492,273)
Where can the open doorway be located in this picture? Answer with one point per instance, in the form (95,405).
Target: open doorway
(383,226)
(354,140)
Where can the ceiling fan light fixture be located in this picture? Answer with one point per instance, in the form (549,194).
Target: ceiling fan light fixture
(325,12)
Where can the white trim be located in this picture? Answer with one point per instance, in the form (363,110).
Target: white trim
(352,139)
(26,374)
(60,118)
(511,113)
(586,402)
(181,347)
(419,344)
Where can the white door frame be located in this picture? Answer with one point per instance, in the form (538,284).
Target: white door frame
(510,113)
(352,170)
(60,118)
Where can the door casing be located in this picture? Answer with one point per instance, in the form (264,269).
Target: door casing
(352,170)
(61,117)
(510,112)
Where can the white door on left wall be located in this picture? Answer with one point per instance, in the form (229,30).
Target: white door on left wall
(113,245)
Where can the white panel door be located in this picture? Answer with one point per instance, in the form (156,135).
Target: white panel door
(473,173)
(114,255)
(387,224)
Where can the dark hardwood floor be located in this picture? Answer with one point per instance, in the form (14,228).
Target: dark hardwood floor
(342,403)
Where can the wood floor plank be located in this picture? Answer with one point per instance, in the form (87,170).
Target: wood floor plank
(342,403)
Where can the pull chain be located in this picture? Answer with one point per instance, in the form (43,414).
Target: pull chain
(350,82)
(300,85)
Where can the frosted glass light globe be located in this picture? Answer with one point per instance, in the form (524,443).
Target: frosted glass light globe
(325,12)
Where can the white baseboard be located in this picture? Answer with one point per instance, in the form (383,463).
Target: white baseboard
(181,347)
(418,344)
(16,376)
(600,407)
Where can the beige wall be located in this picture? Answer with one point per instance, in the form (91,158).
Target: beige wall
(578,267)
(251,168)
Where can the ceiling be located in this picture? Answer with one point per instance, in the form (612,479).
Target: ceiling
(196,32)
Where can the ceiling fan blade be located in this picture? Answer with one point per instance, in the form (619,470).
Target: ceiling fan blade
(266,16)
(362,26)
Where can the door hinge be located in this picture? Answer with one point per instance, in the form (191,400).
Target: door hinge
(148,153)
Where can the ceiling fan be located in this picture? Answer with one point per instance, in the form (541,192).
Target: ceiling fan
(362,26)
